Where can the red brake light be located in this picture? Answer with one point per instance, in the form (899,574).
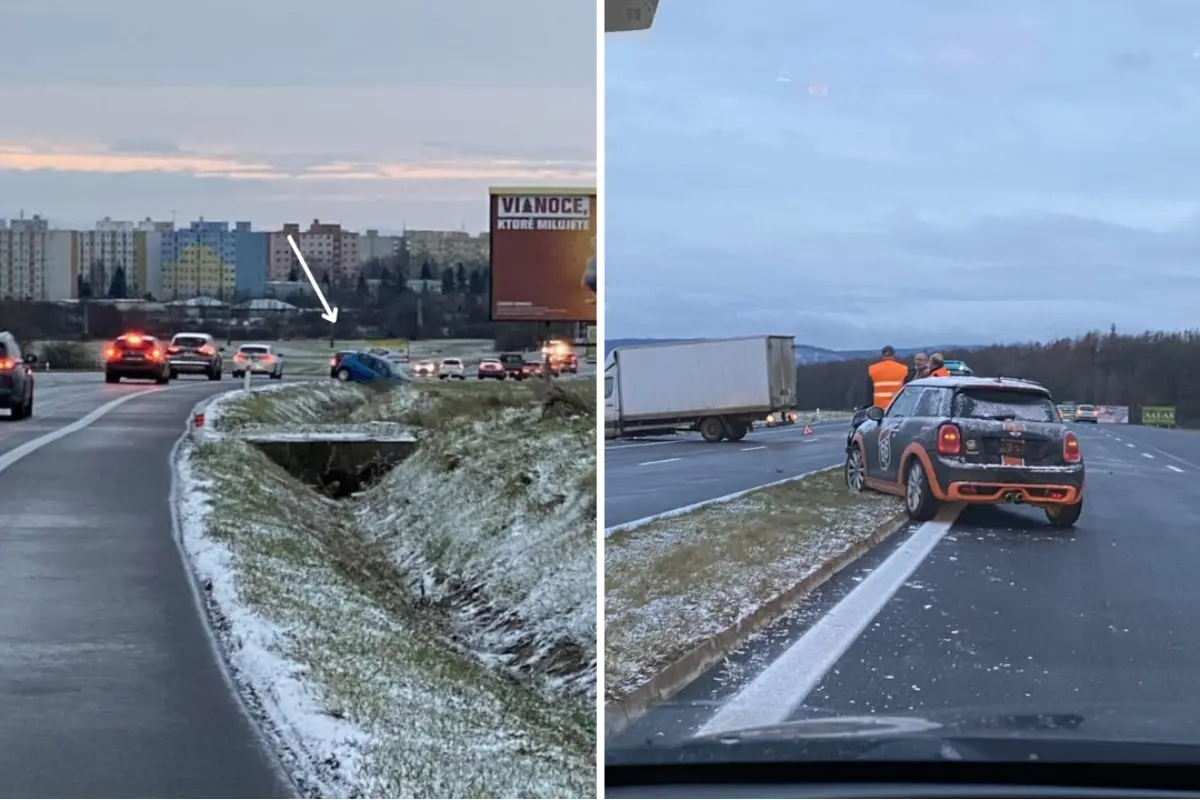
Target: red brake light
(206,351)
(267,357)
(333,362)
(239,356)
(134,339)
(1071,452)
(156,355)
(948,440)
(7,364)
(112,352)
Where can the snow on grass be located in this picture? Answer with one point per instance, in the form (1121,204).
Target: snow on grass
(434,637)
(675,582)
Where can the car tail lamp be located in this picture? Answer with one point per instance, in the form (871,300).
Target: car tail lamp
(7,364)
(267,358)
(206,351)
(239,356)
(949,440)
(134,339)
(1071,452)
(172,349)
(156,354)
(112,353)
(333,362)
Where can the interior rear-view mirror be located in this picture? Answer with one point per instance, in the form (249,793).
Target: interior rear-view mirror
(875,413)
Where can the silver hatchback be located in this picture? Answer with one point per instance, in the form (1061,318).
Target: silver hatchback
(195,354)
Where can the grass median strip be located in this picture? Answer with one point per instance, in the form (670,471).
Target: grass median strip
(673,583)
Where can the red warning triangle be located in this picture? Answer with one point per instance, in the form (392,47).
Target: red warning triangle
(807,431)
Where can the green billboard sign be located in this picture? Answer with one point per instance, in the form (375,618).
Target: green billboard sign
(1158,415)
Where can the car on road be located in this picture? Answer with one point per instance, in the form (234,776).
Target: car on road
(425,369)
(491,368)
(258,359)
(138,356)
(514,365)
(336,361)
(452,368)
(16,377)
(1086,413)
(367,368)
(533,369)
(195,354)
(969,440)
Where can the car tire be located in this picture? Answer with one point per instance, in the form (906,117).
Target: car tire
(855,470)
(18,411)
(108,378)
(29,407)
(163,379)
(919,501)
(214,376)
(343,375)
(276,376)
(174,375)
(1063,516)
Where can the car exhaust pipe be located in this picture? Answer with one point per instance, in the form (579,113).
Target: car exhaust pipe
(1013,497)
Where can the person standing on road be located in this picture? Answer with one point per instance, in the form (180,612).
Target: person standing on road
(920,367)
(885,378)
(937,366)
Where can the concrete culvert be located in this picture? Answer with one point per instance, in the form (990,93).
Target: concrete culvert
(337,467)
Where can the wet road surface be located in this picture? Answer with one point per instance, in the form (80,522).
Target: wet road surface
(110,682)
(990,609)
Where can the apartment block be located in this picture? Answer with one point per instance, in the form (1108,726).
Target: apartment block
(373,246)
(447,248)
(134,247)
(23,258)
(199,261)
(327,247)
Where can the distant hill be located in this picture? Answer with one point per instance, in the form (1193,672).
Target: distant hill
(806,354)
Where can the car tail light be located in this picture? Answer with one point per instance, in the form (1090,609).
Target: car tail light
(7,364)
(172,349)
(239,357)
(949,441)
(206,351)
(333,362)
(112,353)
(134,339)
(267,358)
(156,355)
(1071,452)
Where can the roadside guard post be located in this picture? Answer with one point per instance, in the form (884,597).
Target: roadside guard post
(198,419)
(246,380)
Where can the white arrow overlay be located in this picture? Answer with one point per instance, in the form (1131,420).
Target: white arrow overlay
(330,313)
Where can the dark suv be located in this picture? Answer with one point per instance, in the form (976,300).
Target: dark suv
(136,355)
(16,377)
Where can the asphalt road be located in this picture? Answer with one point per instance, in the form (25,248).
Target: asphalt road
(111,685)
(651,476)
(990,608)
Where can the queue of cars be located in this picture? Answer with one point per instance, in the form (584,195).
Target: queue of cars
(138,356)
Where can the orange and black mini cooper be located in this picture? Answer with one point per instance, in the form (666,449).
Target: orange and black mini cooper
(969,440)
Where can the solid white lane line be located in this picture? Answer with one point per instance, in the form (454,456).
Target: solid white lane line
(660,461)
(17,453)
(782,687)
(748,449)
(1147,455)
(1130,444)
(1173,468)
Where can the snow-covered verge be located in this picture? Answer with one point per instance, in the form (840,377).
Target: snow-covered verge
(673,583)
(433,637)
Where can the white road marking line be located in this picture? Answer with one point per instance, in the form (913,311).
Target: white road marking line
(782,687)
(1173,468)
(17,453)
(760,447)
(1147,455)
(639,444)
(1130,444)
(660,461)
(1119,439)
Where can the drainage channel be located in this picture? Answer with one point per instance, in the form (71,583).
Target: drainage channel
(336,464)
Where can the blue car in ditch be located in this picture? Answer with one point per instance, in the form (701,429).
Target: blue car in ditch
(364,367)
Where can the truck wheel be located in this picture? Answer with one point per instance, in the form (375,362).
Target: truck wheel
(738,431)
(712,429)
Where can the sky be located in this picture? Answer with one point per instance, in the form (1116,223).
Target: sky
(385,114)
(869,173)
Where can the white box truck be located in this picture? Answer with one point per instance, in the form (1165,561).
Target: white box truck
(719,387)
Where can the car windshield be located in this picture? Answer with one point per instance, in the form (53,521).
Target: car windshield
(1015,404)
(189,341)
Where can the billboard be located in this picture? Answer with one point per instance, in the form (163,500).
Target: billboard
(1163,416)
(543,253)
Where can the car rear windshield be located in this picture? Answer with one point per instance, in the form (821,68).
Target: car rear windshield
(1015,404)
(452,362)
(254,348)
(189,341)
(1086,408)
(142,343)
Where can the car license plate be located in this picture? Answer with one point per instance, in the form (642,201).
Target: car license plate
(1012,447)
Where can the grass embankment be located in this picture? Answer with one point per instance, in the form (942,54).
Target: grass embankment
(675,582)
(445,617)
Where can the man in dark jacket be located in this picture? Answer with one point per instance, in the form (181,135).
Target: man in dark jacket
(920,367)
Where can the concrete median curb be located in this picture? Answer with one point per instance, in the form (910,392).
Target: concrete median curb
(669,681)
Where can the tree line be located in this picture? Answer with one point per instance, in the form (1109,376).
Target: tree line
(1148,369)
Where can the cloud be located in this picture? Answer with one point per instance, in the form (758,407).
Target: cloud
(1000,176)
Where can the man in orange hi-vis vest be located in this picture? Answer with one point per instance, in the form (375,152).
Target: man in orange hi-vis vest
(937,366)
(884,378)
